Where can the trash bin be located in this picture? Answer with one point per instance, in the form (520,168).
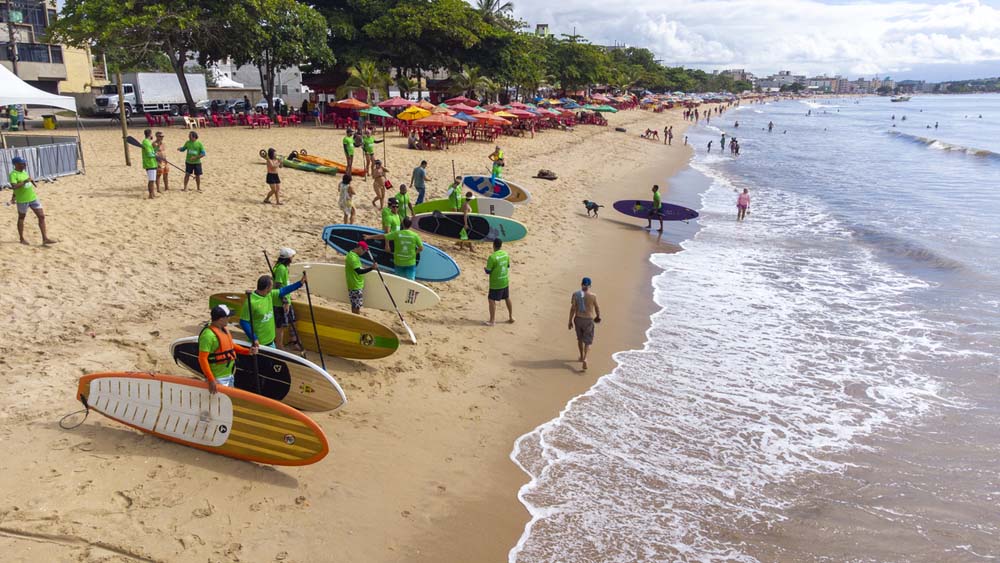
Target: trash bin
(49,122)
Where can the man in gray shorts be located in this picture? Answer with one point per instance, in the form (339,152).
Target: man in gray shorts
(584,312)
(25,198)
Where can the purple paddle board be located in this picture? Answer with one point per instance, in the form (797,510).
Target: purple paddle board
(642,208)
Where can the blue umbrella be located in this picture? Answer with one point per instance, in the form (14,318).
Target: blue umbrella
(571,105)
(465,117)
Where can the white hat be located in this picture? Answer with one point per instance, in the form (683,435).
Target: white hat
(286,252)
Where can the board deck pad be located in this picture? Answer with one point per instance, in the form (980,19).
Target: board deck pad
(480,226)
(499,189)
(284,377)
(232,422)
(481,205)
(329,281)
(641,209)
(433,264)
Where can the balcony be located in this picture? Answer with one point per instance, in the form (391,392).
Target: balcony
(37,61)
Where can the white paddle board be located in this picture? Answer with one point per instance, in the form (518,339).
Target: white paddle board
(330,281)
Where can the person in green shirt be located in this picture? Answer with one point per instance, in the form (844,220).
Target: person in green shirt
(498,268)
(217,351)
(390,216)
(349,149)
(406,245)
(497,171)
(284,314)
(455,194)
(405,206)
(356,276)
(195,153)
(368,147)
(25,198)
(149,162)
(261,302)
(656,212)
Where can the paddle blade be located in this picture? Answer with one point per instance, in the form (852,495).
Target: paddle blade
(409,331)
(132,141)
(492,235)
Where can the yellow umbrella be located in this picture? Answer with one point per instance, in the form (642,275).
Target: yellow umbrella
(413,112)
(504,114)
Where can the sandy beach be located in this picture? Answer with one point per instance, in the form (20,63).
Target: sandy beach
(419,468)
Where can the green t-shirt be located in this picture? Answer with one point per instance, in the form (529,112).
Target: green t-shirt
(280,276)
(455,197)
(349,145)
(26,193)
(195,150)
(656,201)
(263,315)
(390,221)
(499,266)
(209,342)
(404,204)
(149,155)
(405,247)
(354,280)
(368,144)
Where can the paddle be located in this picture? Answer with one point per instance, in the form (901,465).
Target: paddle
(312,317)
(132,141)
(409,331)
(256,371)
(290,325)
(488,236)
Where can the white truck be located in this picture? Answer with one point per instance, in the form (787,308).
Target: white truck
(152,92)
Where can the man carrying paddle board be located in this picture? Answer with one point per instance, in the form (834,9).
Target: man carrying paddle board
(657,211)
(217,351)
(262,303)
(284,314)
(355,276)
(406,244)
(455,194)
(498,269)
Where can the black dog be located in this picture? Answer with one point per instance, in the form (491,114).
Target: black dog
(591,207)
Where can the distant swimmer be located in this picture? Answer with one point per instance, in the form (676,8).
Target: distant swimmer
(935,124)
(723,143)
(736,125)
(894,117)
(742,205)
(770,126)
(903,118)
(710,146)
(810,112)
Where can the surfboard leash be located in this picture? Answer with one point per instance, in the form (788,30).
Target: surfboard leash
(85,410)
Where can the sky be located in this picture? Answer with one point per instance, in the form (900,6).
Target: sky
(917,39)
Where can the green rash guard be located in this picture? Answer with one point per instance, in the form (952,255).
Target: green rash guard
(195,150)
(149,155)
(280,276)
(405,247)
(455,197)
(26,193)
(390,221)
(499,266)
(656,201)
(263,315)
(352,262)
(404,205)
(349,145)
(209,342)
(368,144)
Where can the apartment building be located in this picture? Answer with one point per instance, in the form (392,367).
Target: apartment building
(23,23)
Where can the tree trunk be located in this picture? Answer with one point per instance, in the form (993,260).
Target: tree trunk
(420,86)
(177,59)
(121,116)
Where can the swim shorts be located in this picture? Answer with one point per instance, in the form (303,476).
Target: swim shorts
(499,294)
(584,329)
(192,168)
(151,174)
(227,381)
(357,297)
(272,178)
(280,317)
(408,272)
(22,208)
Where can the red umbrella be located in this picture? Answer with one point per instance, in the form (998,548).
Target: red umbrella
(463,108)
(440,120)
(522,114)
(494,107)
(490,118)
(518,105)
(351,103)
(396,102)
(462,100)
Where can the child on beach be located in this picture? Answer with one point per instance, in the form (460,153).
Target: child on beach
(272,180)
(742,205)
(346,199)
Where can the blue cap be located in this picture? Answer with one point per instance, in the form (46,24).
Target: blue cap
(586,281)
(18,160)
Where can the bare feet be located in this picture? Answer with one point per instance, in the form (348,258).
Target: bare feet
(511,320)
(585,365)
(487,323)
(24,242)
(49,241)
(279,203)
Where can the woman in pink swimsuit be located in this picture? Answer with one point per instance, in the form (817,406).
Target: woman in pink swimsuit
(742,204)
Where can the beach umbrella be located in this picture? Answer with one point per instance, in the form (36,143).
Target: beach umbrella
(504,113)
(442,109)
(413,112)
(491,118)
(555,102)
(517,105)
(464,117)
(425,104)
(606,108)
(375,111)
(463,108)
(440,120)
(522,114)
(571,105)
(495,107)
(461,100)
(350,103)
(396,102)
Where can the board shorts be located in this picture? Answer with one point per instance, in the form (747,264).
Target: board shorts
(151,174)
(22,208)
(584,329)
(357,297)
(227,381)
(192,168)
(272,178)
(499,294)
(279,316)
(408,272)
(162,171)
(738,206)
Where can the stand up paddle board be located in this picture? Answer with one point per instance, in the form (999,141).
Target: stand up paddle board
(299,165)
(341,333)
(497,189)
(330,281)
(642,208)
(284,377)
(232,422)
(482,205)
(433,264)
(480,226)
(303,156)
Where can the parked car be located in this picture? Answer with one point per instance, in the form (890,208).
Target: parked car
(279,105)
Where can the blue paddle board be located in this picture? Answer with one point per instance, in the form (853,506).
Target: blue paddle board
(497,189)
(433,264)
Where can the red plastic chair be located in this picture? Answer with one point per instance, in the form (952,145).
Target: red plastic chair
(281,121)
(166,120)
(150,120)
(216,120)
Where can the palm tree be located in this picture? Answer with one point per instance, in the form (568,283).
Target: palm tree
(365,75)
(471,81)
(493,11)
(405,85)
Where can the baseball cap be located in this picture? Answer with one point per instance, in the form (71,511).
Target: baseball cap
(18,160)
(586,281)
(220,312)
(363,245)
(286,252)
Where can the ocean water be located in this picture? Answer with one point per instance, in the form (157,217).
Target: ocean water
(820,381)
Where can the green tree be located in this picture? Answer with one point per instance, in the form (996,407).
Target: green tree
(366,76)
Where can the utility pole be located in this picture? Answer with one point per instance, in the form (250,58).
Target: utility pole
(11,36)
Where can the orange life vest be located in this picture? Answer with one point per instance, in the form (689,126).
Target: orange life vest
(227,350)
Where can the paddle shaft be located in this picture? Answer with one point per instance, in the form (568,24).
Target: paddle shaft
(256,371)
(290,325)
(135,143)
(312,317)
(392,299)
(439,215)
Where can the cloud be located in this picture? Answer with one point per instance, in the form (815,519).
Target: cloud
(764,36)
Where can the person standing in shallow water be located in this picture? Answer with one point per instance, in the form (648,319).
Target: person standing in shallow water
(742,205)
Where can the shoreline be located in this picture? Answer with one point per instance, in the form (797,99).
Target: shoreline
(419,468)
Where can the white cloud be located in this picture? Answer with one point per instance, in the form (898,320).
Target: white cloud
(862,37)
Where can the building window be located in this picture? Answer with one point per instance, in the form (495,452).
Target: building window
(284,90)
(34,53)
(57,53)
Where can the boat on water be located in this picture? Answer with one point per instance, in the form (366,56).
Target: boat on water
(900,99)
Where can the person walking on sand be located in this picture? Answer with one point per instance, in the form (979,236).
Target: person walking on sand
(217,352)
(284,314)
(455,194)
(380,181)
(390,216)
(742,205)
(368,148)
(497,154)
(25,198)
(583,313)
(670,136)
(346,198)
(349,150)
(272,179)
(666,134)
(149,163)
(356,276)
(418,179)
(657,211)
(162,166)
(405,206)
(192,161)
(262,301)
(406,245)
(498,269)
(463,235)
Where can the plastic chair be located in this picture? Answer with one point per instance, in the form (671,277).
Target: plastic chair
(150,120)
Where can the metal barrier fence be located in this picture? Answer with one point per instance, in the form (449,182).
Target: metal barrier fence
(45,162)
